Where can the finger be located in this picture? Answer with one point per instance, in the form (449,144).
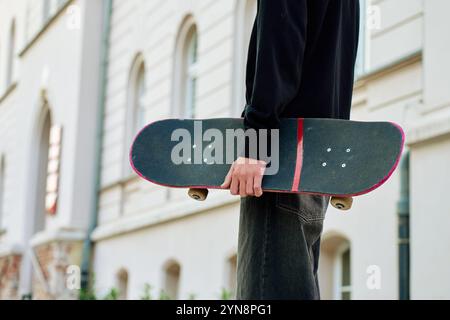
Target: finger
(234,189)
(249,188)
(242,187)
(257,185)
(227,182)
(262,167)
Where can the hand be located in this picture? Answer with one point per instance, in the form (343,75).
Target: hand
(245,177)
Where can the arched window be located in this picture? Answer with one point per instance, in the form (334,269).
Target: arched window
(2,190)
(36,221)
(186,70)
(344,276)
(42,173)
(335,268)
(122,284)
(11,54)
(139,99)
(172,279)
(245,18)
(136,106)
(191,74)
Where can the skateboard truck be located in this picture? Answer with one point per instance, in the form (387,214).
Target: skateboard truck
(340,203)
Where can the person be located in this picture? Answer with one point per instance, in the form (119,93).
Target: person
(300,64)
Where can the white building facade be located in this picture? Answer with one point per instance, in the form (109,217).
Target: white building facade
(78,79)
(49,61)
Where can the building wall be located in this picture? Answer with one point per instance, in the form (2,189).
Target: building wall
(52,76)
(399,19)
(149,30)
(390,88)
(384,92)
(403,82)
(201,243)
(429,220)
(429,144)
(150,235)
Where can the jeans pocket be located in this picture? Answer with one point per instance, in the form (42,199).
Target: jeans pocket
(308,207)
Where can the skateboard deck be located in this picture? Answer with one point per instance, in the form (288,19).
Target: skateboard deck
(316,156)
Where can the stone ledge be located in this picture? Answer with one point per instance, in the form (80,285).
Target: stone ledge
(8,92)
(8,249)
(430,127)
(44,28)
(48,236)
(171,212)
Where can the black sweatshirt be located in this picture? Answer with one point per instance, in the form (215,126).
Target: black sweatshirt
(301,61)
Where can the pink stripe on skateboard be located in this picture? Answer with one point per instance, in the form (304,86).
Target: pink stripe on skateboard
(299,161)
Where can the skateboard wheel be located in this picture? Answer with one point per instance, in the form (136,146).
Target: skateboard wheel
(342,203)
(198,194)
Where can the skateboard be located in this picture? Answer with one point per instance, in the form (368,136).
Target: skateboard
(337,158)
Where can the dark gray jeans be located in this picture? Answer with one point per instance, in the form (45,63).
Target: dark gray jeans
(279,246)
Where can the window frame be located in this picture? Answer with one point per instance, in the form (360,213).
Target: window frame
(243,30)
(123,283)
(135,108)
(339,289)
(190,73)
(139,99)
(180,96)
(172,279)
(363,55)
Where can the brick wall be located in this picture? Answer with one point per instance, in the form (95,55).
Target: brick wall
(9,276)
(53,259)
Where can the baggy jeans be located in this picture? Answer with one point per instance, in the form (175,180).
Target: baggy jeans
(279,246)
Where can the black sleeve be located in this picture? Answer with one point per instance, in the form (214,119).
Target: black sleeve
(280,35)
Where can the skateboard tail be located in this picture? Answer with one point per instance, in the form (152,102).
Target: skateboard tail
(394,167)
(142,176)
(296,186)
(389,174)
(130,154)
